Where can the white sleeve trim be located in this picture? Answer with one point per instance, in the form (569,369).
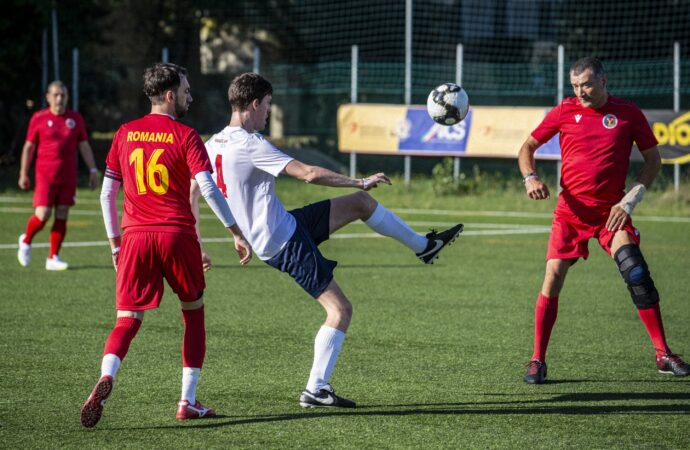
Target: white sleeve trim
(109,208)
(214,198)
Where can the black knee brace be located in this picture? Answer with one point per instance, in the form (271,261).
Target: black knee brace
(634,271)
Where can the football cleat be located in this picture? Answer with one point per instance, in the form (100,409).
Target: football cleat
(672,364)
(55,263)
(24,252)
(93,408)
(536,372)
(437,241)
(196,411)
(324,398)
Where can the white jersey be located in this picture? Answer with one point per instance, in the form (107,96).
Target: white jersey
(245,166)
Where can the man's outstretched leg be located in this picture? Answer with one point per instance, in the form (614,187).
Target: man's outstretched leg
(193,353)
(117,345)
(329,340)
(362,206)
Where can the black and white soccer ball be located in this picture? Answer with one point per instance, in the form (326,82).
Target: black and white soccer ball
(447,104)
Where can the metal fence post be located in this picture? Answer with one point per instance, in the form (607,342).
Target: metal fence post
(354,66)
(75,79)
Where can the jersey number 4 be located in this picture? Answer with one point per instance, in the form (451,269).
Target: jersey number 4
(220,181)
(147,179)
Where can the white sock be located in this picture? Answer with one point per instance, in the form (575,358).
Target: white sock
(388,224)
(326,350)
(110,364)
(190,378)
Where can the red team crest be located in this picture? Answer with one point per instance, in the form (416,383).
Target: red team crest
(609,121)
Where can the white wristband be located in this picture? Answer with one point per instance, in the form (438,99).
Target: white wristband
(115,250)
(93,170)
(632,198)
(364,184)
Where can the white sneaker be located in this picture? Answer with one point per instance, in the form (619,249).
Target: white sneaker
(55,263)
(24,252)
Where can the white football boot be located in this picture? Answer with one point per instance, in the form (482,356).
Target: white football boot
(24,252)
(55,263)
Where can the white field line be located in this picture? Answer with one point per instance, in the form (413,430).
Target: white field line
(426,212)
(502,232)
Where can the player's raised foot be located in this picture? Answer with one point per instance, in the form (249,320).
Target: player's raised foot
(24,252)
(186,411)
(437,241)
(536,372)
(93,408)
(324,398)
(672,364)
(55,263)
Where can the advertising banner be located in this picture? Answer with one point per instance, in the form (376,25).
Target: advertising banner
(494,132)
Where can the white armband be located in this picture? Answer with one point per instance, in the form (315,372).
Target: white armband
(109,208)
(214,198)
(632,198)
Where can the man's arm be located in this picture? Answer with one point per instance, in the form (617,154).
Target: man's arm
(534,186)
(324,177)
(87,155)
(28,152)
(194,194)
(621,211)
(209,190)
(110,219)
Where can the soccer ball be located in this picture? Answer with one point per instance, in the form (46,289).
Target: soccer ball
(447,104)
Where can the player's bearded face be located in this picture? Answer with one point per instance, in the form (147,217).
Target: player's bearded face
(589,89)
(183,98)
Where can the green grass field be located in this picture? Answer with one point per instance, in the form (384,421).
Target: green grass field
(434,357)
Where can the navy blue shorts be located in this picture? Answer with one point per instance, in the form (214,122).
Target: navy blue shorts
(301,258)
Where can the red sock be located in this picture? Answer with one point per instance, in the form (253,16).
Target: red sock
(651,317)
(545,313)
(33,226)
(122,335)
(194,340)
(57,235)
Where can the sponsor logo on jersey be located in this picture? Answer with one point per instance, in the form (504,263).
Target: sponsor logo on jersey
(50,123)
(609,121)
(578,117)
(70,123)
(149,136)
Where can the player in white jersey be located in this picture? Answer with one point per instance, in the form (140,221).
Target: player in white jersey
(246,166)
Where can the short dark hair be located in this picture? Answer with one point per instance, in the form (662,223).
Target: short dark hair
(59,84)
(247,87)
(162,77)
(588,62)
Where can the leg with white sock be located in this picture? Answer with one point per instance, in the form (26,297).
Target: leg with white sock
(362,206)
(193,354)
(117,345)
(327,345)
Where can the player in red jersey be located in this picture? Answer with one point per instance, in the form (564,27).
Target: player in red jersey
(597,131)
(54,135)
(154,158)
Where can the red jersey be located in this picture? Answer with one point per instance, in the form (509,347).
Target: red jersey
(595,147)
(155,157)
(56,139)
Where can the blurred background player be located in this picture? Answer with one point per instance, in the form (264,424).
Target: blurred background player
(154,158)
(246,166)
(597,131)
(54,135)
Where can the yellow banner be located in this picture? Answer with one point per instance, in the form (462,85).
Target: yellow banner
(500,131)
(369,128)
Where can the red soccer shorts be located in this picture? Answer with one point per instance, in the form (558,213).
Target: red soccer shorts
(52,194)
(571,232)
(146,258)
